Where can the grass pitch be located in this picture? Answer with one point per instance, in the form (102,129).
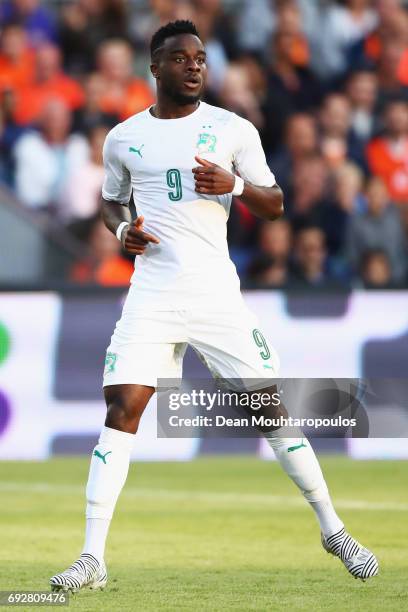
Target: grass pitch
(213,534)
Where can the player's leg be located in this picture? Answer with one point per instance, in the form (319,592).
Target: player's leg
(234,347)
(298,460)
(107,475)
(110,460)
(145,346)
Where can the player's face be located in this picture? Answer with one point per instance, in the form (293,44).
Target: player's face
(181,69)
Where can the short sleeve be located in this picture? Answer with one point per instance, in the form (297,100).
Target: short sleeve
(249,158)
(117,184)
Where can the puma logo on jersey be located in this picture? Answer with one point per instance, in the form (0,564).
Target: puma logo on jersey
(138,151)
(100,456)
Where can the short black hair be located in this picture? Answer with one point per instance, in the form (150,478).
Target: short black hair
(174,28)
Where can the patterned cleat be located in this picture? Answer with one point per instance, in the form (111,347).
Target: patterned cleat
(86,572)
(359,561)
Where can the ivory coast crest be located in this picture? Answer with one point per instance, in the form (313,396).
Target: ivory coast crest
(206,142)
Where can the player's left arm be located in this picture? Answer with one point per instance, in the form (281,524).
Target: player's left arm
(260,192)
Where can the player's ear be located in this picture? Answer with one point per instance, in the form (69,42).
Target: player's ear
(154,69)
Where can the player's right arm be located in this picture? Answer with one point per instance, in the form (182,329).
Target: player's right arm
(116,193)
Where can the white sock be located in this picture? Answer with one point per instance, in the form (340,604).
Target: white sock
(95,537)
(299,461)
(107,475)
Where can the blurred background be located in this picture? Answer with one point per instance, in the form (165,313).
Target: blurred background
(325,83)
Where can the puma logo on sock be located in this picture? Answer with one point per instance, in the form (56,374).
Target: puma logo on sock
(293,448)
(98,454)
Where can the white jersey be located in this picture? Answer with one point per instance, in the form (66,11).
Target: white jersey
(191,267)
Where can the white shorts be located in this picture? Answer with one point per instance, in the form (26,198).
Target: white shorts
(147,346)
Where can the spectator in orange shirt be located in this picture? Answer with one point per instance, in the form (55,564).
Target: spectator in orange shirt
(16,59)
(393,26)
(390,13)
(49,82)
(388,70)
(290,21)
(125,94)
(104,265)
(387,155)
(402,70)
(292,87)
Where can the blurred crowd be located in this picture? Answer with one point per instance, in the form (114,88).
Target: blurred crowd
(324,81)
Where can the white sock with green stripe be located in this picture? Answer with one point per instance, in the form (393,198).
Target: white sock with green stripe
(299,461)
(107,475)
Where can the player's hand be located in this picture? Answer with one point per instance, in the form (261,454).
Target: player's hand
(212,179)
(134,239)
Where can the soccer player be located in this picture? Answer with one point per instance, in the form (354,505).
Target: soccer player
(181,158)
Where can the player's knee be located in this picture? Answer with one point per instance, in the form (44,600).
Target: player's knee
(123,414)
(271,414)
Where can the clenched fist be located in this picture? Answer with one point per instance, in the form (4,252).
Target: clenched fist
(212,179)
(134,239)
